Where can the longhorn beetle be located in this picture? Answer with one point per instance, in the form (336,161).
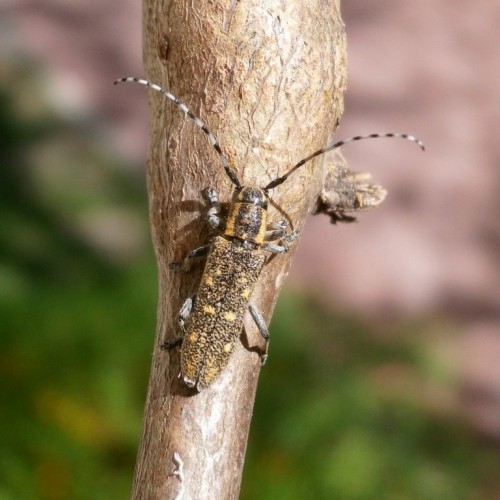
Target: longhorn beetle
(212,320)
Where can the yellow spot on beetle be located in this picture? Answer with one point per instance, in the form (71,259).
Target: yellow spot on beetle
(230,316)
(245,293)
(231,221)
(209,281)
(211,374)
(262,232)
(209,309)
(228,347)
(193,337)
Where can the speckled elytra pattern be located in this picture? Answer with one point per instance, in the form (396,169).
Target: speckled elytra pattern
(216,321)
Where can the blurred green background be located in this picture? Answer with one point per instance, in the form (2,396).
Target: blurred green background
(344,409)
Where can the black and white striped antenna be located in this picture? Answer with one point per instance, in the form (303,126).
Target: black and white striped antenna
(283,178)
(197,120)
(231,173)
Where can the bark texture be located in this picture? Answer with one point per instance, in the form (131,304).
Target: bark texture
(268,80)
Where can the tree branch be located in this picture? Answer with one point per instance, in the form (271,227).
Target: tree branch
(268,79)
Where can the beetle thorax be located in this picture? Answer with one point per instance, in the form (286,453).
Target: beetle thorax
(247,219)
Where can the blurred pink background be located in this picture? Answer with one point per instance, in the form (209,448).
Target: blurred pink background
(430,68)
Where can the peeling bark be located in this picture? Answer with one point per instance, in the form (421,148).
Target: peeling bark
(268,79)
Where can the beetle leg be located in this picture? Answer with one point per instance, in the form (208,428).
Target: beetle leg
(262,327)
(276,230)
(213,219)
(184,313)
(259,321)
(185,265)
(284,244)
(171,343)
(214,208)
